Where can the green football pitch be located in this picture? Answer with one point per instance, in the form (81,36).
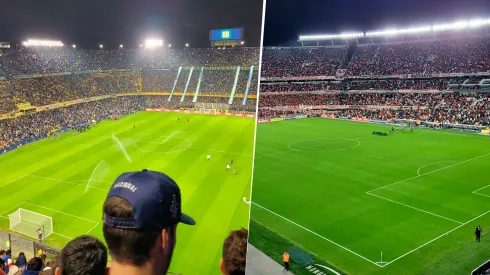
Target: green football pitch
(345,196)
(68,178)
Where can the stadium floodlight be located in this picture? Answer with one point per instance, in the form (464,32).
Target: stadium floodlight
(121,46)
(74,46)
(399,31)
(170,45)
(330,36)
(187,45)
(141,45)
(42,43)
(153,43)
(101,46)
(242,42)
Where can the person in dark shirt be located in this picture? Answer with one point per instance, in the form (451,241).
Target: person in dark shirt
(478,233)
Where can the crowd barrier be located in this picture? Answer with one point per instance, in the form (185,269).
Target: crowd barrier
(30,248)
(201,112)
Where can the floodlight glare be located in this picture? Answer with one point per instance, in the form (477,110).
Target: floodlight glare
(42,43)
(121,46)
(187,44)
(101,46)
(169,45)
(153,43)
(74,46)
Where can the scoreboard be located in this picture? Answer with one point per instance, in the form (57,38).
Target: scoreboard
(226,37)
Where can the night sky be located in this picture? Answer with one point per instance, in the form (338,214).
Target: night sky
(285,20)
(89,23)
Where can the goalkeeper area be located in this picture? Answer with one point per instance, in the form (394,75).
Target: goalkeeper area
(60,184)
(27,223)
(358,203)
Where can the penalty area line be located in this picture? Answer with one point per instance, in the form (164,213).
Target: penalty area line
(442,235)
(316,234)
(415,208)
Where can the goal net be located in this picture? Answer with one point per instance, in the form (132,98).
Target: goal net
(27,222)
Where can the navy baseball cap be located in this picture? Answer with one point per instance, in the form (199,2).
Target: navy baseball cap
(155,199)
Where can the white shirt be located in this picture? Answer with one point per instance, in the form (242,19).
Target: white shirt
(227,166)
(209,156)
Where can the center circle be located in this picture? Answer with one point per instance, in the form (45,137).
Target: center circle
(166,145)
(324,144)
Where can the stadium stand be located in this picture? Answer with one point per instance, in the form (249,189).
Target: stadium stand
(55,89)
(429,79)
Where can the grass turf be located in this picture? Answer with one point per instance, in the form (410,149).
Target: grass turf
(313,175)
(50,177)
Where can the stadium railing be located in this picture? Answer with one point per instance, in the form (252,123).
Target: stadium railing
(31,248)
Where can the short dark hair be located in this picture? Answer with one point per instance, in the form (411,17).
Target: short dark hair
(2,263)
(235,252)
(43,257)
(84,255)
(35,264)
(2,252)
(129,246)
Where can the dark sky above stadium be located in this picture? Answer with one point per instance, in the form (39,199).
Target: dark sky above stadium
(285,20)
(89,23)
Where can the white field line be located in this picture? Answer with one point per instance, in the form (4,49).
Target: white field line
(481,189)
(176,145)
(54,210)
(12,181)
(316,145)
(418,209)
(316,234)
(17,206)
(69,182)
(442,235)
(485,195)
(418,170)
(446,167)
(92,228)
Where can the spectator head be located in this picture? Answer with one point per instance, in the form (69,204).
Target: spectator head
(8,253)
(2,263)
(84,255)
(21,260)
(141,213)
(234,253)
(2,253)
(43,257)
(35,264)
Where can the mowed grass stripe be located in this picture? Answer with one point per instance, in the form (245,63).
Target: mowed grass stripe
(328,195)
(210,194)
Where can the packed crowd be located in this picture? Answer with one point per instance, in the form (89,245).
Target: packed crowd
(43,91)
(463,108)
(293,62)
(386,85)
(23,61)
(144,246)
(24,129)
(466,55)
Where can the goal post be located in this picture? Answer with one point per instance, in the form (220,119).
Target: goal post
(28,222)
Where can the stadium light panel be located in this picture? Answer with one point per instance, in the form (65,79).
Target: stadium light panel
(330,36)
(169,45)
(101,46)
(242,42)
(187,44)
(121,46)
(74,46)
(153,43)
(457,25)
(42,43)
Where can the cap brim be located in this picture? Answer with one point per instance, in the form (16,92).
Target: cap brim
(187,220)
